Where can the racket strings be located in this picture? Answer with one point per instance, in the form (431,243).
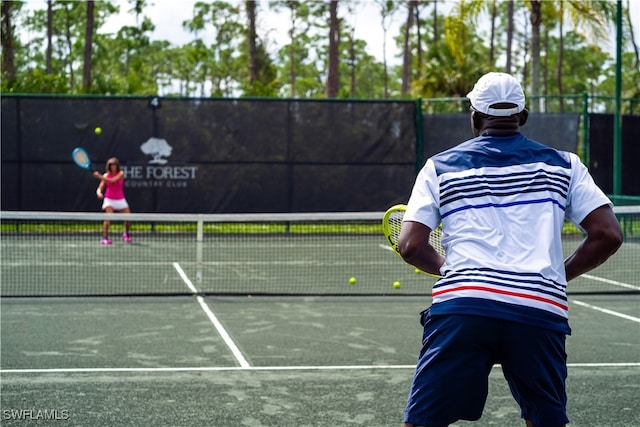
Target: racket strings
(395,226)
(392,225)
(435,240)
(81,157)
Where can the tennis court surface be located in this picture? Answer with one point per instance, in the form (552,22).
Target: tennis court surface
(251,321)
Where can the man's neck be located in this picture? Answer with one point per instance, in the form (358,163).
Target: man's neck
(499,126)
(501,131)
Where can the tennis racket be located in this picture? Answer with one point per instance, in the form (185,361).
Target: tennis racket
(81,158)
(392,224)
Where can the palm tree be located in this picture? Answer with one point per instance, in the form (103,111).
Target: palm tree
(593,16)
(457,24)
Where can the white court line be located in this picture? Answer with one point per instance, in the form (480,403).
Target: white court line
(223,333)
(387,247)
(27,263)
(161,263)
(586,276)
(269,368)
(611,282)
(604,310)
(185,278)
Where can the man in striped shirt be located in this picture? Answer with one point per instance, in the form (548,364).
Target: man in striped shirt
(502,200)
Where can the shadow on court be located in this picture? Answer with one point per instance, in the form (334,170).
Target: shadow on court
(271,361)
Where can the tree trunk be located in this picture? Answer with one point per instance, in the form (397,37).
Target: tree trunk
(633,39)
(406,51)
(88,47)
(385,12)
(509,34)
(535,19)
(68,60)
(48,68)
(332,87)
(492,49)
(561,56)
(251,15)
(8,51)
(352,63)
(544,69)
(385,68)
(526,62)
(418,43)
(292,56)
(435,22)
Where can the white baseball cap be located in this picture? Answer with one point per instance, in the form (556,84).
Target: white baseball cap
(494,88)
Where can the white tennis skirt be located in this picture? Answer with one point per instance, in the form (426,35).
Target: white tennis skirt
(115,204)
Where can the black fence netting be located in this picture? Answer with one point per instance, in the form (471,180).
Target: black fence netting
(601,152)
(443,131)
(193,155)
(208,155)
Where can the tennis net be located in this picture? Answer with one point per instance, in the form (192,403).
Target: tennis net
(59,254)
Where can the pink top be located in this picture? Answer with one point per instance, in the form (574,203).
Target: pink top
(115,190)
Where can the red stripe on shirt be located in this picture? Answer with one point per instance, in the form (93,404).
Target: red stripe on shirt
(503,292)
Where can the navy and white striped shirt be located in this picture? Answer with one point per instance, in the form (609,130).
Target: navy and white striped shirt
(502,201)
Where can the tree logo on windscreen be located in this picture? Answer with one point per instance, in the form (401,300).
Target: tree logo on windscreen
(156,172)
(157,148)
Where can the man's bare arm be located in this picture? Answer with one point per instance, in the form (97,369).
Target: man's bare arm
(604,237)
(413,244)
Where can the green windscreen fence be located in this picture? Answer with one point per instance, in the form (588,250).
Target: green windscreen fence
(59,254)
(208,155)
(188,155)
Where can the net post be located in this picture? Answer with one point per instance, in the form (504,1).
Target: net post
(199,243)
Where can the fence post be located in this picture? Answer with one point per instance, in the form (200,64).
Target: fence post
(617,116)
(585,128)
(419,135)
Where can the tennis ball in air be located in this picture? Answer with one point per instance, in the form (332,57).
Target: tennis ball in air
(98,130)
(352,280)
(417,270)
(396,284)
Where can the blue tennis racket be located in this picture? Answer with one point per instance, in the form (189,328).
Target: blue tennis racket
(81,158)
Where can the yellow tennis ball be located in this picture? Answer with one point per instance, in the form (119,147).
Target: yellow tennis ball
(417,270)
(98,130)
(396,284)
(352,280)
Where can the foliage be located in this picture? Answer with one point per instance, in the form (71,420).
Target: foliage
(454,48)
(36,81)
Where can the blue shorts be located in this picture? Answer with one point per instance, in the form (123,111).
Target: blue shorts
(458,352)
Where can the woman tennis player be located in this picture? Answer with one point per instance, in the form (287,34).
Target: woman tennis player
(114,199)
